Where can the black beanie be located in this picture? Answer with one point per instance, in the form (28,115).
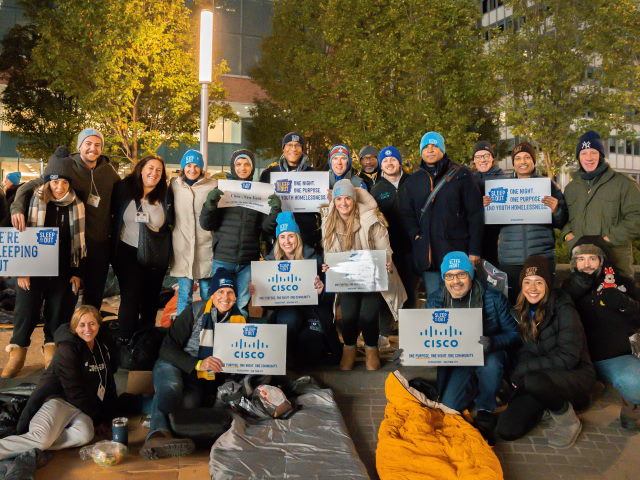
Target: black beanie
(591,139)
(537,265)
(484,145)
(524,147)
(57,167)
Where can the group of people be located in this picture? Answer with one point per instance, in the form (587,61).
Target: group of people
(549,345)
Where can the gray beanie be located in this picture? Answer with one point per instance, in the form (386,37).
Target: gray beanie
(345,188)
(368,150)
(89,132)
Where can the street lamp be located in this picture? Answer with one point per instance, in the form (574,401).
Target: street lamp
(206,66)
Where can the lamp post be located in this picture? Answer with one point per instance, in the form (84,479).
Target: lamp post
(205,74)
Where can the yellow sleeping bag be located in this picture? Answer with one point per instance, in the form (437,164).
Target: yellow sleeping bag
(422,439)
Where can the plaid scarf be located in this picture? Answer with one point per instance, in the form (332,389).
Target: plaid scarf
(38,212)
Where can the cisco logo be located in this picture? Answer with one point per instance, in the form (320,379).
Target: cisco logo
(247,349)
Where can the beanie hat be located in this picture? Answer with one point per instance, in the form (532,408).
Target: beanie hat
(345,188)
(14,177)
(456,261)
(389,152)
(432,138)
(484,145)
(368,150)
(286,223)
(537,265)
(589,245)
(243,153)
(590,139)
(340,149)
(292,137)
(57,167)
(89,132)
(223,278)
(524,147)
(192,156)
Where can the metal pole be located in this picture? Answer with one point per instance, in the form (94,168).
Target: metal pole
(204,123)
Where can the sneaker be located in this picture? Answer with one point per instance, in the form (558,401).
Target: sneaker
(163,447)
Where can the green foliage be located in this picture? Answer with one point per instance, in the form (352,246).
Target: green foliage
(383,73)
(131,67)
(569,67)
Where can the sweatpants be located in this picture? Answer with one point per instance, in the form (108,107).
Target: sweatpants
(97,267)
(57,425)
(139,291)
(360,312)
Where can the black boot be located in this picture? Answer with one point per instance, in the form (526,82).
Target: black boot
(485,422)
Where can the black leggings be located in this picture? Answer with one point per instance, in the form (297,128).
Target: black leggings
(360,312)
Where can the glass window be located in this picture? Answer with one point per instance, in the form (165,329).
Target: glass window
(621,143)
(256,17)
(612,145)
(636,146)
(629,147)
(228,16)
(228,46)
(250,53)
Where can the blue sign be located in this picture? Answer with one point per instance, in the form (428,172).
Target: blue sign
(440,316)
(284,267)
(250,331)
(246,185)
(47,237)
(499,195)
(283,186)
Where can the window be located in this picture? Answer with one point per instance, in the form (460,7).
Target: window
(636,146)
(621,143)
(629,147)
(612,145)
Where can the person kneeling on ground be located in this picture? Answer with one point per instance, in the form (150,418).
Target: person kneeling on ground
(75,393)
(610,312)
(184,376)
(461,386)
(553,371)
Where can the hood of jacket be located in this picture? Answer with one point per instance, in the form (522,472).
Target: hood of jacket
(302,166)
(232,165)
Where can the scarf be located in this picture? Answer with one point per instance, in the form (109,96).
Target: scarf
(208,326)
(437,169)
(590,176)
(38,212)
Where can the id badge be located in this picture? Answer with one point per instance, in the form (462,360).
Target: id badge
(142,217)
(93,200)
(101,392)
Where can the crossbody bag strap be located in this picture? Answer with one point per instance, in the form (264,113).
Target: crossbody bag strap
(446,179)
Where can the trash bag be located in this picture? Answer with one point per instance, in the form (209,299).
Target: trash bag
(141,351)
(11,406)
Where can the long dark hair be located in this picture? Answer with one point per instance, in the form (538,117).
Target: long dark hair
(530,326)
(159,192)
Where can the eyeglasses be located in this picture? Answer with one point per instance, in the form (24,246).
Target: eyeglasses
(484,156)
(458,276)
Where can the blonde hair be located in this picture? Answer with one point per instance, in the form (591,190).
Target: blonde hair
(80,312)
(279,254)
(334,222)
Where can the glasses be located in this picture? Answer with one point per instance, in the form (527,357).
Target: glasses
(484,156)
(458,276)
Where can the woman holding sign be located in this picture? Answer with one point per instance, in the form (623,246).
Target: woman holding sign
(54,204)
(516,243)
(353,222)
(553,371)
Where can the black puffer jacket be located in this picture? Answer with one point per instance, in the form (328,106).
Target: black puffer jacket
(236,229)
(516,243)
(560,351)
(386,196)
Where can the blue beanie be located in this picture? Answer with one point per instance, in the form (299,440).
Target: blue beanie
(89,132)
(432,138)
(456,261)
(14,177)
(223,278)
(292,137)
(590,139)
(192,156)
(345,188)
(389,152)
(286,223)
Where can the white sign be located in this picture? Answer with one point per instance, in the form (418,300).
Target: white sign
(439,337)
(32,253)
(517,201)
(251,349)
(286,282)
(357,271)
(301,191)
(239,193)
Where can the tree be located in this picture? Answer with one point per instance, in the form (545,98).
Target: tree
(385,73)
(131,67)
(41,118)
(566,67)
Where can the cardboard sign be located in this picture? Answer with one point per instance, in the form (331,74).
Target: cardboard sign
(439,337)
(357,271)
(251,349)
(517,201)
(285,282)
(239,193)
(301,191)
(32,253)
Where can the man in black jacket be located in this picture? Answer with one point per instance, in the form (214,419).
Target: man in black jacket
(186,375)
(610,311)
(452,221)
(370,168)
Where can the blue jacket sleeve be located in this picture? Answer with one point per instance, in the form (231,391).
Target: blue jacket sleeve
(509,335)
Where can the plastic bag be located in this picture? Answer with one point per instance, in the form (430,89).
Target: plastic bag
(105,453)
(272,399)
(634,340)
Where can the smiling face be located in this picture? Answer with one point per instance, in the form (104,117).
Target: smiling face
(243,167)
(369,163)
(587,263)
(390,166)
(523,164)
(223,299)
(59,187)
(534,288)
(431,154)
(292,152)
(483,160)
(458,282)
(88,328)
(192,171)
(90,150)
(288,243)
(589,159)
(151,173)
(344,205)
(339,164)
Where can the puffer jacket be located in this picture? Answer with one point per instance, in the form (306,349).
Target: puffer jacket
(236,230)
(192,245)
(494,173)
(516,243)
(371,234)
(560,351)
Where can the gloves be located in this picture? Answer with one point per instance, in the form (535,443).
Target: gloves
(614,298)
(486,343)
(396,358)
(274,203)
(214,196)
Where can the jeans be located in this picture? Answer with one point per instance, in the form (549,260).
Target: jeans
(185,291)
(433,284)
(480,383)
(623,373)
(243,272)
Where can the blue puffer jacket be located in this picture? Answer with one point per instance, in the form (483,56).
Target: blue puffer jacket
(516,243)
